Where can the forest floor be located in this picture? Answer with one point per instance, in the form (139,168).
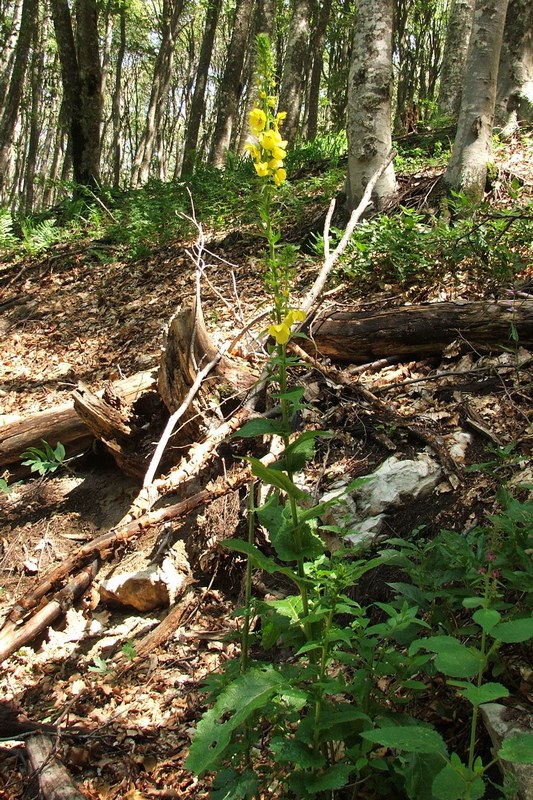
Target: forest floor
(68,318)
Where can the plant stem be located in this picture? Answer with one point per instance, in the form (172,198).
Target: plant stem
(245,642)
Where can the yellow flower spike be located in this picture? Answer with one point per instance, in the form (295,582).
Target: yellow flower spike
(261,167)
(257,120)
(281,333)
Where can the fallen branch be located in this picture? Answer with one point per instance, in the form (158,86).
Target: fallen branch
(54,779)
(13,636)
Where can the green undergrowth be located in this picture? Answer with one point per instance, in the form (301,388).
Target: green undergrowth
(491,243)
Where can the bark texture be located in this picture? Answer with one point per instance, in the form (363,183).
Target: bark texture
(11,104)
(198,99)
(231,86)
(467,169)
(295,67)
(418,331)
(82,84)
(452,74)
(160,84)
(369,103)
(514,100)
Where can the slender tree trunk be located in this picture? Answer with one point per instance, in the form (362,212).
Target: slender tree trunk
(295,67)
(37,73)
(467,168)
(10,110)
(514,96)
(231,86)
(8,46)
(452,73)
(116,151)
(317,55)
(160,85)
(369,103)
(198,99)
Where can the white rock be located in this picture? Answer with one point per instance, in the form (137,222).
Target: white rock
(502,722)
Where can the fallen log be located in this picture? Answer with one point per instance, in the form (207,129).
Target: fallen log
(62,424)
(54,779)
(419,331)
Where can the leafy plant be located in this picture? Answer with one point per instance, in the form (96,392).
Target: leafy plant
(44,461)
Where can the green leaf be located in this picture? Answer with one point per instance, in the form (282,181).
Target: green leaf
(407,737)
(274,477)
(260,560)
(259,427)
(452,658)
(487,618)
(300,451)
(517,748)
(452,784)
(516,630)
(472,602)
(290,750)
(247,694)
(486,693)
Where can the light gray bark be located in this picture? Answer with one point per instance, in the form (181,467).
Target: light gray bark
(514,97)
(160,84)
(317,52)
(467,168)
(197,104)
(11,105)
(295,66)
(452,74)
(369,102)
(231,86)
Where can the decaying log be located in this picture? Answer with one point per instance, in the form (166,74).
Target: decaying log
(419,331)
(54,779)
(188,348)
(62,424)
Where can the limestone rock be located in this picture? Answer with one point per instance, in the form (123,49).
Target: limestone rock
(154,586)
(502,722)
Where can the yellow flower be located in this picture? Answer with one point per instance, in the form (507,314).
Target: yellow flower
(280,116)
(281,333)
(272,101)
(253,150)
(261,167)
(257,120)
(274,164)
(279,176)
(279,153)
(271,139)
(295,315)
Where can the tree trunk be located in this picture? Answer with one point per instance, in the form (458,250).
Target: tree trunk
(8,45)
(369,103)
(35,121)
(514,96)
(116,153)
(359,337)
(81,78)
(160,85)
(317,54)
(231,86)
(295,67)
(11,105)
(452,74)
(467,168)
(197,107)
